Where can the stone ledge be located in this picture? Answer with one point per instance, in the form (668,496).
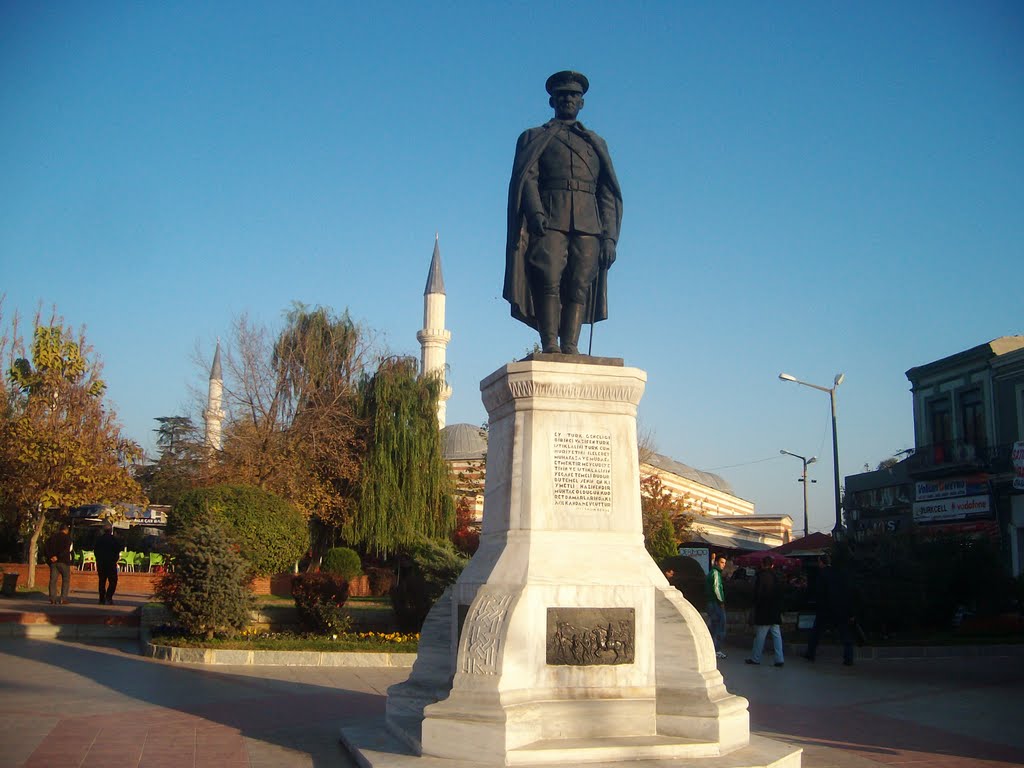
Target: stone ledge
(371,745)
(277,658)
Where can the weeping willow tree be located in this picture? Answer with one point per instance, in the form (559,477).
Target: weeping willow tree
(406,490)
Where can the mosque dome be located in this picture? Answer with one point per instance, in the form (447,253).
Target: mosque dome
(463,442)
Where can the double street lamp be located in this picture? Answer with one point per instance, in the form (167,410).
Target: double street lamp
(837,530)
(803,480)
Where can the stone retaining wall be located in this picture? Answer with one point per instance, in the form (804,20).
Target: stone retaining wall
(139,583)
(278,658)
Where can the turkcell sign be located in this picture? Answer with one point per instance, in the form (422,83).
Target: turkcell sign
(1018,465)
(940,489)
(943,510)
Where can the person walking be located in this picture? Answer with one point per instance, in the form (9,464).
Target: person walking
(107,549)
(57,551)
(714,591)
(834,609)
(767,612)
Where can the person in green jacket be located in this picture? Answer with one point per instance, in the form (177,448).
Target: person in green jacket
(714,591)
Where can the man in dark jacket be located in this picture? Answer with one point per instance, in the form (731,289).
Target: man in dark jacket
(834,609)
(108,550)
(767,612)
(57,551)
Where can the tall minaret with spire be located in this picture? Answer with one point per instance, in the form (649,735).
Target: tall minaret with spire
(434,337)
(214,415)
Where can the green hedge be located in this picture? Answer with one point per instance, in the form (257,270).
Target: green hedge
(342,562)
(271,533)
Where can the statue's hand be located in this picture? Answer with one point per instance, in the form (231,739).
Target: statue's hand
(607,253)
(538,224)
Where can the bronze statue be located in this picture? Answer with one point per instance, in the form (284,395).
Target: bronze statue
(564,213)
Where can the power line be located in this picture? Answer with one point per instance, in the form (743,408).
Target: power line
(745,463)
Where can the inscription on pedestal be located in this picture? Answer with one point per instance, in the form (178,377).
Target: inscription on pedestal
(590,636)
(581,465)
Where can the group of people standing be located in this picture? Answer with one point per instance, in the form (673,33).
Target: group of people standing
(58,552)
(833,608)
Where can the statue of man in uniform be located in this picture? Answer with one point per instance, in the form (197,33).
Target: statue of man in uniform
(564,213)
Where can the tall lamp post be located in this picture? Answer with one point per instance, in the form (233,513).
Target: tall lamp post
(803,480)
(837,530)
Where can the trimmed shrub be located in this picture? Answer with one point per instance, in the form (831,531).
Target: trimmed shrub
(319,602)
(342,562)
(208,590)
(271,533)
(429,566)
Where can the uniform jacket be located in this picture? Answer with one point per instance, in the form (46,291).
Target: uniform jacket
(597,214)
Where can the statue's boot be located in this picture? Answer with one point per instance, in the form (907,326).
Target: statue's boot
(547,309)
(569,329)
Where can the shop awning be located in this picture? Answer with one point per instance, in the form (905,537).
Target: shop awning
(728,542)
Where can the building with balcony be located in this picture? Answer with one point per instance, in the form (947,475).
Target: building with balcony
(968,413)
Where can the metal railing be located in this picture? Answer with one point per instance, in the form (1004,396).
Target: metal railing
(960,456)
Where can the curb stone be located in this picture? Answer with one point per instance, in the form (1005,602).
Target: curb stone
(277,658)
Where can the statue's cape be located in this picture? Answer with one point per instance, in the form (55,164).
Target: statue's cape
(531,144)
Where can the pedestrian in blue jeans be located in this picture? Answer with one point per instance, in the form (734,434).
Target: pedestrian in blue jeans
(767,612)
(714,591)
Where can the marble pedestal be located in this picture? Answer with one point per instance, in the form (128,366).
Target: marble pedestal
(562,643)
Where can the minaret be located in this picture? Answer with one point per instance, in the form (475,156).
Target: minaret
(214,415)
(434,338)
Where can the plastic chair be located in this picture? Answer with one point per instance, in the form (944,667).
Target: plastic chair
(88,561)
(156,560)
(126,561)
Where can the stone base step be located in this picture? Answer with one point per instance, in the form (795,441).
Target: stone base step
(617,749)
(373,746)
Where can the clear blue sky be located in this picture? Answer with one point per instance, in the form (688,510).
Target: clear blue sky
(809,187)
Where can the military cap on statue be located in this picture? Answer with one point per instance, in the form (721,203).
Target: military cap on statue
(567,81)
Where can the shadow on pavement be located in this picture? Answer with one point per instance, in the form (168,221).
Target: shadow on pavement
(266,707)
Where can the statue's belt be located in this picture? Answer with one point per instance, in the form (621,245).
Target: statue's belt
(575,185)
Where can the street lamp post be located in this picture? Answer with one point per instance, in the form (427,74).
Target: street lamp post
(837,530)
(803,480)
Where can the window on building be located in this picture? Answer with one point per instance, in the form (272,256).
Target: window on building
(972,420)
(940,428)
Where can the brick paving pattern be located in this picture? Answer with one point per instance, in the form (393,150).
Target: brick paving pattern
(97,705)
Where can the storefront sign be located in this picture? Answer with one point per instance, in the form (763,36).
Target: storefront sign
(1018,465)
(701,554)
(941,510)
(940,489)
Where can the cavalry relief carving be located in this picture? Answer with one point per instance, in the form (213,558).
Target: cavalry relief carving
(591,636)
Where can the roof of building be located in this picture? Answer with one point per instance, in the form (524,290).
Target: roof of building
(1001,346)
(463,441)
(435,280)
(709,479)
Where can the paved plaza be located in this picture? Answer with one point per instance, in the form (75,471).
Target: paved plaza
(101,704)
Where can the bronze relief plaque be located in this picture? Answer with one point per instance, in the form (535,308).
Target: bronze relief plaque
(591,636)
